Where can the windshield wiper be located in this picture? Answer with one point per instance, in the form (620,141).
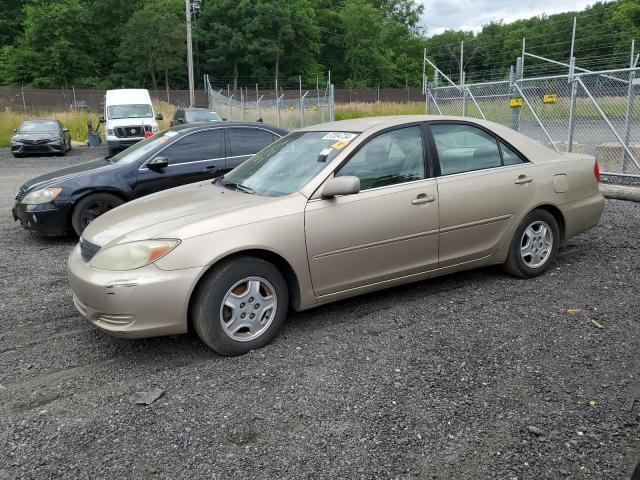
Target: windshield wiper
(232,185)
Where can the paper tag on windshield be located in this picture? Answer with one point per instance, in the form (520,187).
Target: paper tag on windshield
(339,136)
(340,144)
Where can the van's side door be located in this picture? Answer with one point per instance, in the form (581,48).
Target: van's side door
(192,158)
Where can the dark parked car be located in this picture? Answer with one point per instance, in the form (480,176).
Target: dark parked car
(71,198)
(40,136)
(194,115)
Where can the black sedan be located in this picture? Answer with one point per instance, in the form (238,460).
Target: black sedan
(194,115)
(40,136)
(69,199)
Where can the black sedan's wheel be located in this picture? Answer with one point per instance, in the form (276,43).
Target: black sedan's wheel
(91,207)
(534,246)
(240,305)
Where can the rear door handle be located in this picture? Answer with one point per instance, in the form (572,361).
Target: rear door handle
(522,179)
(423,198)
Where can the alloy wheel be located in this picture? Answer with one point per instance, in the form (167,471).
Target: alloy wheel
(536,244)
(248,308)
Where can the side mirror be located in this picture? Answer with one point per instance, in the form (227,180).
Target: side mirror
(347,185)
(159,116)
(15,130)
(101,120)
(158,163)
(65,130)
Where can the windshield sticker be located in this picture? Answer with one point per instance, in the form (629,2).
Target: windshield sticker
(339,136)
(340,144)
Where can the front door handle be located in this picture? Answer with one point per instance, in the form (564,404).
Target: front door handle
(423,198)
(209,168)
(523,179)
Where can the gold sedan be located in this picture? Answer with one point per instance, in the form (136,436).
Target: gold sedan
(328,212)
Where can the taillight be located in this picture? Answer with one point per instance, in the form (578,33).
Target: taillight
(596,171)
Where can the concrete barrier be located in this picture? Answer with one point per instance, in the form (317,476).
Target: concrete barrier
(609,156)
(620,192)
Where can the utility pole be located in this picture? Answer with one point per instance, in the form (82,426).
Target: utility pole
(191,6)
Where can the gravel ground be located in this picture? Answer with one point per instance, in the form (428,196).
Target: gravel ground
(474,375)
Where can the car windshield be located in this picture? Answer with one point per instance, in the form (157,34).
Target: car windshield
(202,116)
(129,111)
(141,149)
(288,164)
(45,126)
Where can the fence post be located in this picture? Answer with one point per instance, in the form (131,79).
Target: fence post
(24,103)
(378,93)
(435,89)
(629,112)
(515,112)
(572,106)
(331,103)
(242,103)
(75,105)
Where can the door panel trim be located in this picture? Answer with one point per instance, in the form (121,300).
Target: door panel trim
(379,243)
(486,221)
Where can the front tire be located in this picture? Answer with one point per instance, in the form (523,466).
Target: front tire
(91,207)
(240,305)
(534,246)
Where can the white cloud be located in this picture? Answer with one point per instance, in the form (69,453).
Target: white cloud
(440,15)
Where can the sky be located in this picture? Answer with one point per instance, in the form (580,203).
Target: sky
(440,15)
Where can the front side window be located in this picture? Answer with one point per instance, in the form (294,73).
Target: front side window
(464,148)
(388,159)
(197,146)
(142,149)
(248,141)
(289,164)
(115,112)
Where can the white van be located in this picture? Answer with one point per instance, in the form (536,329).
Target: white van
(128,115)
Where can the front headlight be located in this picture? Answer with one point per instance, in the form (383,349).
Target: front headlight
(41,196)
(129,256)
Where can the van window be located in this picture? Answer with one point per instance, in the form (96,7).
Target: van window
(129,111)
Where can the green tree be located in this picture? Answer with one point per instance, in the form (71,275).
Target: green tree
(153,45)
(52,51)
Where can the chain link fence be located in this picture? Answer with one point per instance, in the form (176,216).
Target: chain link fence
(290,109)
(588,112)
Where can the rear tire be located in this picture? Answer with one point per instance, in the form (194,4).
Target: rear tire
(534,246)
(91,207)
(240,305)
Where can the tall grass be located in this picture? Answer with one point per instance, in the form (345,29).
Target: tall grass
(346,111)
(76,122)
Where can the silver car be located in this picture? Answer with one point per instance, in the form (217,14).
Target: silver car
(329,212)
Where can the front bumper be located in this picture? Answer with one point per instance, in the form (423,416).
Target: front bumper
(145,302)
(118,144)
(50,147)
(45,219)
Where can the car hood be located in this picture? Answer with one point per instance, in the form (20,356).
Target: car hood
(35,136)
(58,177)
(187,211)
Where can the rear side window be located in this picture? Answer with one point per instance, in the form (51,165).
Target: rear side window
(464,148)
(509,157)
(248,141)
(197,146)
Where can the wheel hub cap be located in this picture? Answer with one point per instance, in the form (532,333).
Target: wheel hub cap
(536,244)
(248,308)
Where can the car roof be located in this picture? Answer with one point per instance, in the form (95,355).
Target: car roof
(529,147)
(199,125)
